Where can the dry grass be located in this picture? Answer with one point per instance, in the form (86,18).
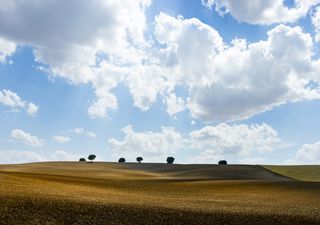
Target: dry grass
(109,193)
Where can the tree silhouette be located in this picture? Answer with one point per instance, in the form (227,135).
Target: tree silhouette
(222,162)
(170,160)
(82,160)
(122,160)
(139,159)
(91,157)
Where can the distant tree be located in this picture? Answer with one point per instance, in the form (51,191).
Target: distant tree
(82,160)
(91,157)
(170,160)
(139,159)
(122,160)
(222,162)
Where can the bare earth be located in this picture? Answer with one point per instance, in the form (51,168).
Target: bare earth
(131,193)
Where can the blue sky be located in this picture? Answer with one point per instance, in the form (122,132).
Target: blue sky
(197,80)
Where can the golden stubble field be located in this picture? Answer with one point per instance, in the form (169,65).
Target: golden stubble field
(112,193)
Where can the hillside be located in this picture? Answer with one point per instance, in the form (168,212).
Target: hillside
(207,171)
(149,171)
(303,173)
(130,193)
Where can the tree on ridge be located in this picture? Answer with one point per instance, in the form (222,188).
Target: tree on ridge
(139,159)
(170,160)
(91,157)
(122,160)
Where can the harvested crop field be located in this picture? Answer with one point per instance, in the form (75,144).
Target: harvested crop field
(112,193)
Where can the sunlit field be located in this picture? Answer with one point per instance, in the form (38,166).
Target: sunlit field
(131,193)
(303,173)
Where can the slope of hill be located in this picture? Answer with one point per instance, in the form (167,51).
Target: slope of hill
(149,171)
(303,173)
(207,171)
(113,193)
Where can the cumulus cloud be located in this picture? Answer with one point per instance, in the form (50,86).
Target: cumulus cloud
(62,156)
(71,42)
(82,131)
(220,92)
(180,53)
(7,48)
(223,140)
(32,108)
(307,154)
(261,11)
(154,146)
(189,43)
(13,100)
(255,160)
(14,156)
(61,139)
(316,22)
(26,138)
(246,89)
(174,104)
(211,143)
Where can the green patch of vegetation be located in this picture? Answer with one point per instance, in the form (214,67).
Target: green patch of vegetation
(303,173)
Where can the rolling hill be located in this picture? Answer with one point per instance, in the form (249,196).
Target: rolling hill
(303,173)
(151,193)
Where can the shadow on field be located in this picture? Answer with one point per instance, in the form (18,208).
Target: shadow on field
(54,212)
(208,171)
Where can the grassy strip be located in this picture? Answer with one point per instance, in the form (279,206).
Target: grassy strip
(303,173)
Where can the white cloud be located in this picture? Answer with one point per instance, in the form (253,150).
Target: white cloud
(104,101)
(63,156)
(189,43)
(307,154)
(147,82)
(12,156)
(316,22)
(81,50)
(87,133)
(244,89)
(262,11)
(7,48)
(225,141)
(232,140)
(32,108)
(13,100)
(61,139)
(212,143)
(71,41)
(26,138)
(174,104)
(220,92)
(254,160)
(153,146)
(207,156)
